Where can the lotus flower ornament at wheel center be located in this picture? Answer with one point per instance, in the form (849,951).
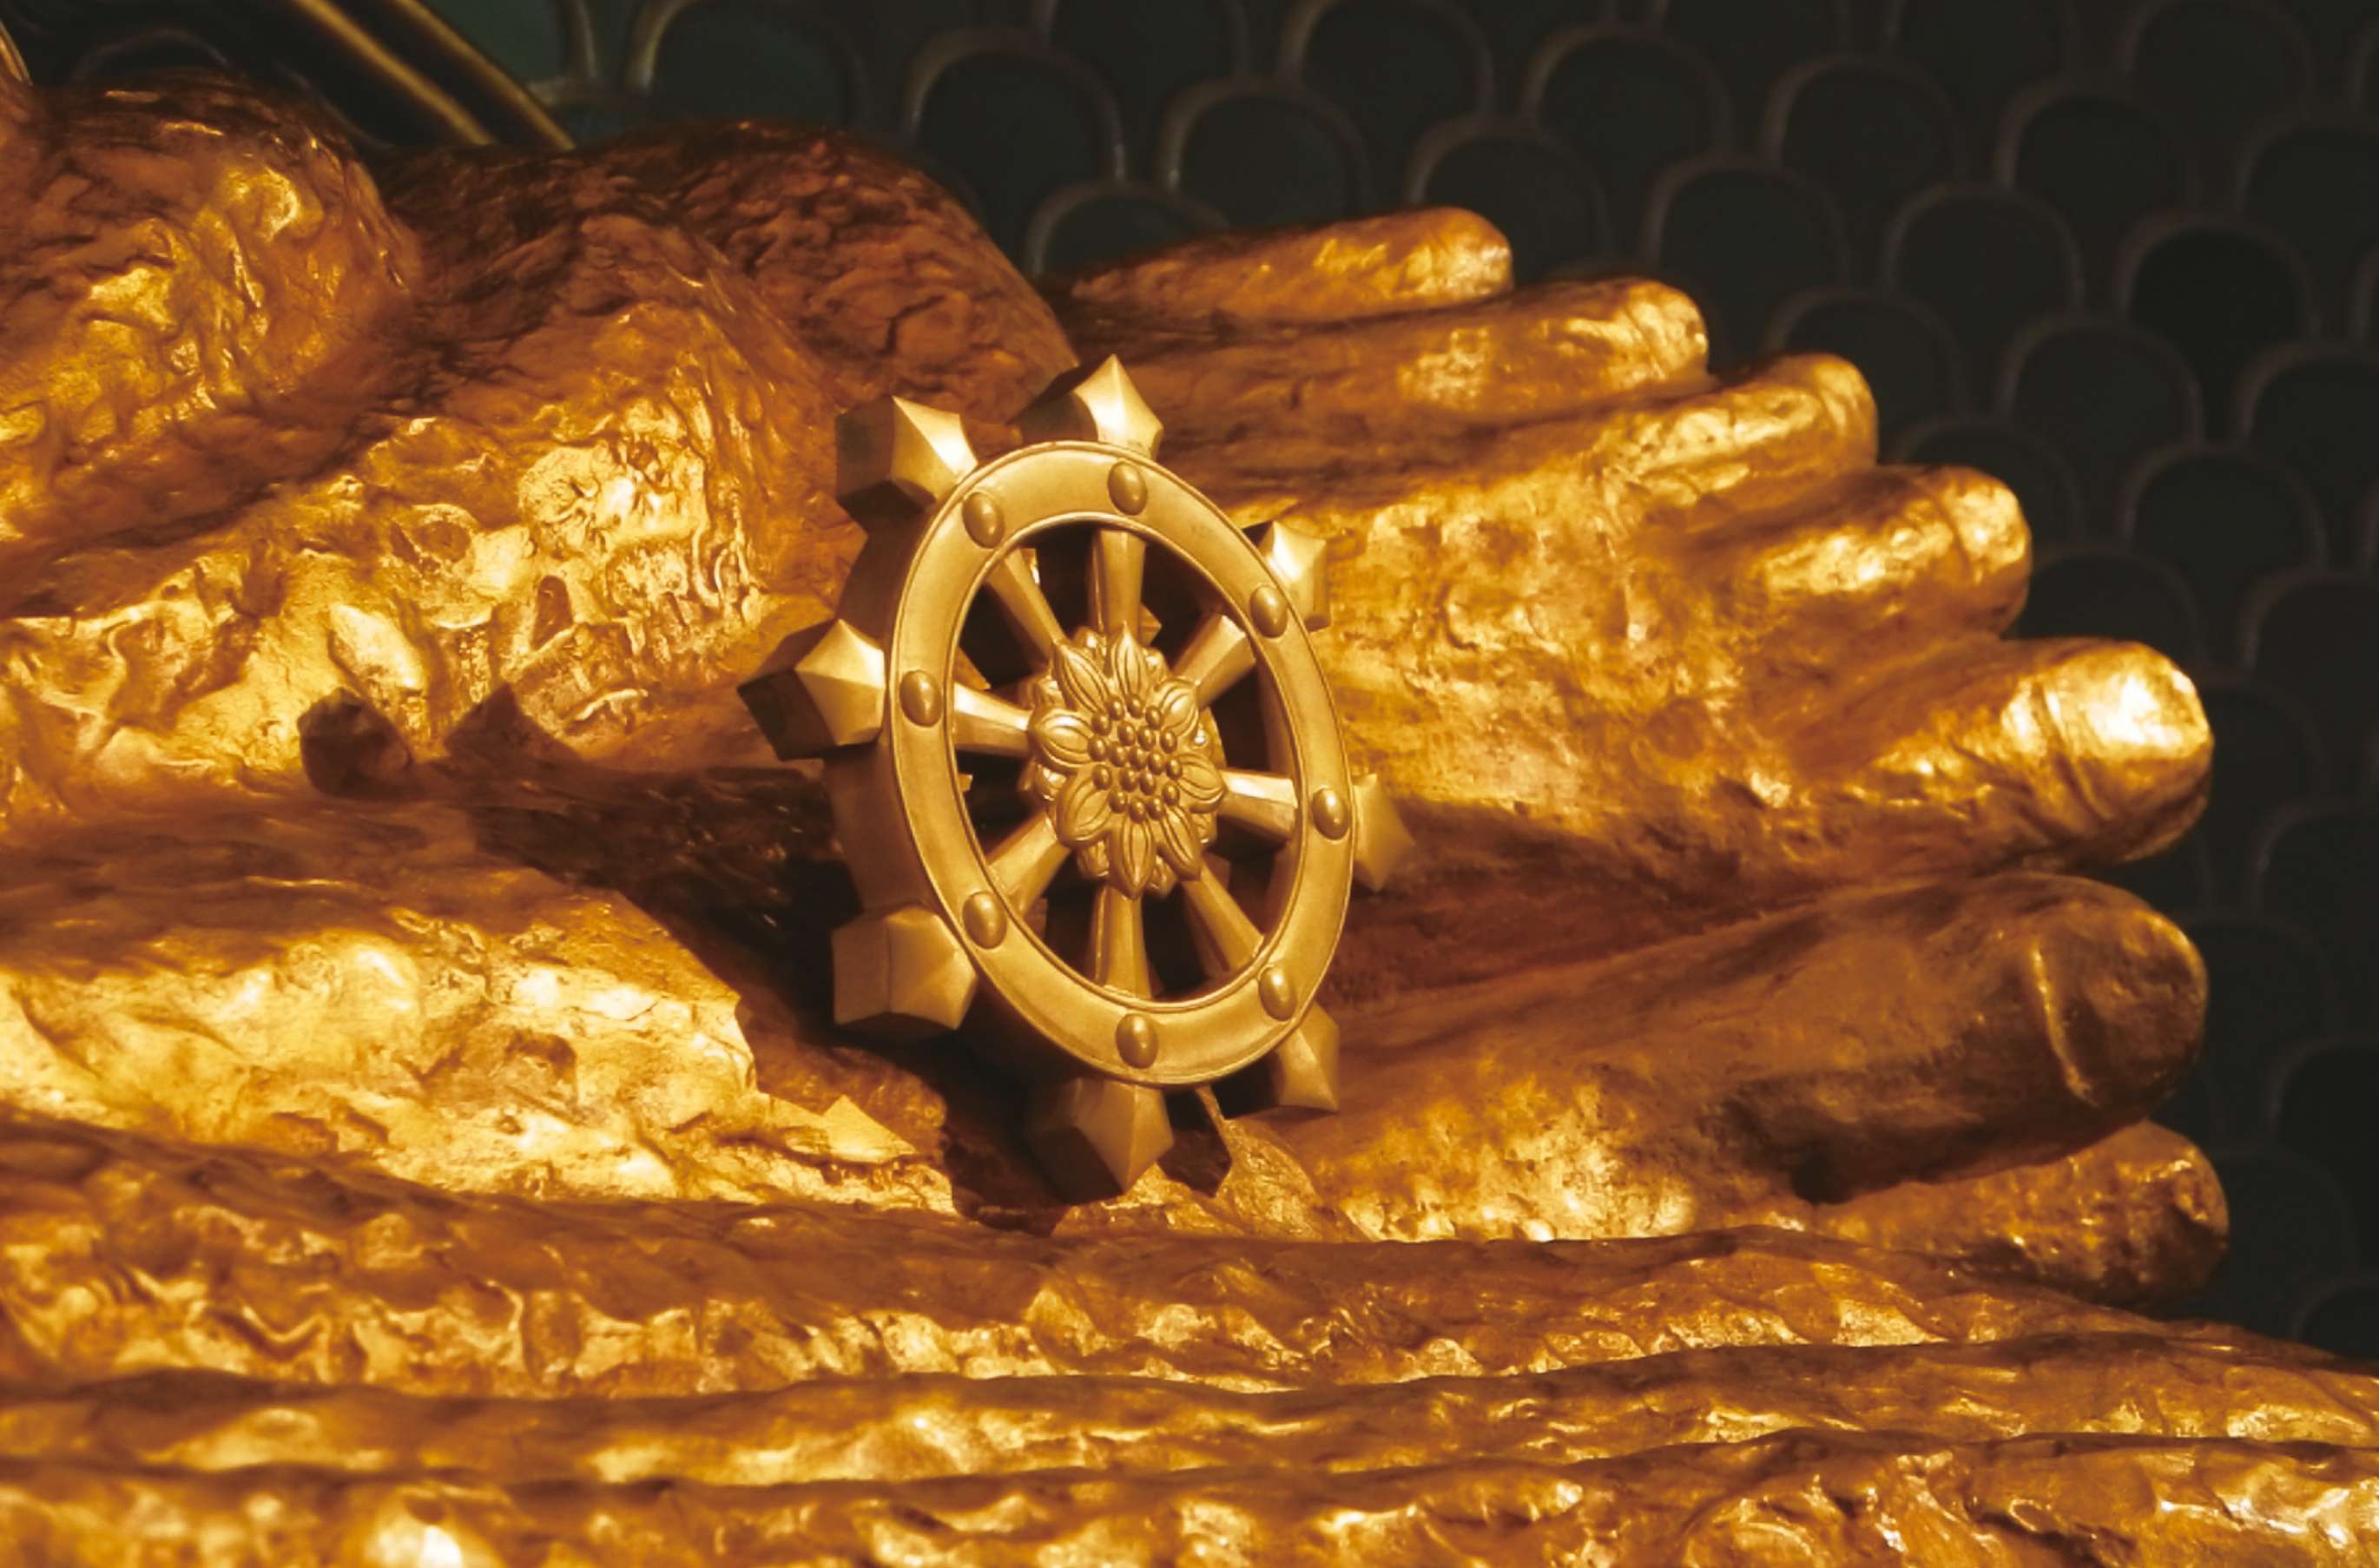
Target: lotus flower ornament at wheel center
(1122,753)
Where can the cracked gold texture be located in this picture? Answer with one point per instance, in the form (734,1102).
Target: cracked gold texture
(422,1133)
(202,287)
(588,467)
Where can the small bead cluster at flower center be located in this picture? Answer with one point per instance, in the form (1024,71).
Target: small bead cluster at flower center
(1136,762)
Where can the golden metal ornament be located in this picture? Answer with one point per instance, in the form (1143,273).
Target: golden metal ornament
(1067,660)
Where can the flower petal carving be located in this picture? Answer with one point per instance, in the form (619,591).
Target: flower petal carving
(1175,707)
(1201,782)
(1083,683)
(1082,811)
(1135,856)
(1062,736)
(1177,840)
(1131,662)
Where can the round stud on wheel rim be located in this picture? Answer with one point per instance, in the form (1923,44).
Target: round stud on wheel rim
(1085,771)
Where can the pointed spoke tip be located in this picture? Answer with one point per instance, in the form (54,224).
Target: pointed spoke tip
(1094,403)
(1264,804)
(895,458)
(1382,841)
(1300,561)
(822,689)
(902,974)
(1301,1073)
(1096,1136)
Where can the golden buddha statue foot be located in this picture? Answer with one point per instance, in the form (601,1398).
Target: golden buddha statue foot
(433,1122)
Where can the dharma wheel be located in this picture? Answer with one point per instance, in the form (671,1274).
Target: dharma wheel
(1085,771)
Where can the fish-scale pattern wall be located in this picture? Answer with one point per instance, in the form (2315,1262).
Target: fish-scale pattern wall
(2122,253)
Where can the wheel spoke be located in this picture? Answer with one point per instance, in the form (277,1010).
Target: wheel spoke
(1120,944)
(1095,1135)
(981,722)
(1026,607)
(1027,860)
(1216,659)
(1264,804)
(1117,560)
(1227,938)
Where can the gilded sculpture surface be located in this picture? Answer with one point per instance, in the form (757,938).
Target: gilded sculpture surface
(425,1132)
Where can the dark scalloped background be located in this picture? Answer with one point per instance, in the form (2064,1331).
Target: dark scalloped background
(2123,254)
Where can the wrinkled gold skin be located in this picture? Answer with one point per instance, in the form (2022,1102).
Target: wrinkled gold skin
(421,1132)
